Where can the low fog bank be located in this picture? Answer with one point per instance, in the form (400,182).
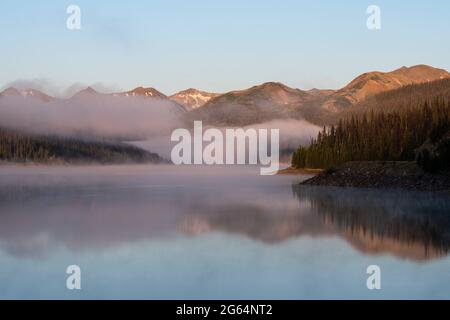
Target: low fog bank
(102,116)
(149,123)
(293,133)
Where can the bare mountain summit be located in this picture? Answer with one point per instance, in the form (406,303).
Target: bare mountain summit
(192,98)
(375,82)
(28,93)
(254,105)
(142,92)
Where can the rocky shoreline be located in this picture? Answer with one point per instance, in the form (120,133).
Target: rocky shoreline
(378,174)
(294,171)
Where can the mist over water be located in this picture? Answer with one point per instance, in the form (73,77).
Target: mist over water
(213,232)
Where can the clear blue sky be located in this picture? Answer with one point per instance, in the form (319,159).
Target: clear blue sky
(217,45)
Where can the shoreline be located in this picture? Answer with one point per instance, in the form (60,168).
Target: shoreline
(294,171)
(379,174)
(82,163)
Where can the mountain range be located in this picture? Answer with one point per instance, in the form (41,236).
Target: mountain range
(270,100)
(275,100)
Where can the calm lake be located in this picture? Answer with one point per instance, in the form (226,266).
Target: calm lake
(166,232)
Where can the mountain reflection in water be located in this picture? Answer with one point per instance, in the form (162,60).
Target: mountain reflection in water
(405,224)
(96,210)
(167,232)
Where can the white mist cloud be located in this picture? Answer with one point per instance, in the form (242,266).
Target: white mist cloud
(99,115)
(293,133)
(149,121)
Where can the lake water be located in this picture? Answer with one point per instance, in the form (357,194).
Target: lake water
(166,232)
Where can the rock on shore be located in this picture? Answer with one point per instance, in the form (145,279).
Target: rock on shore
(378,174)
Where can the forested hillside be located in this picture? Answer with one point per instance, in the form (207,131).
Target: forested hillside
(409,133)
(407,97)
(20,147)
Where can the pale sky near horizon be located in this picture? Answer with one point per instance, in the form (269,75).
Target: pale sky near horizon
(215,45)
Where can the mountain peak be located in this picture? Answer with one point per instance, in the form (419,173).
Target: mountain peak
(89,90)
(272,91)
(142,92)
(421,73)
(10,92)
(33,93)
(188,91)
(272,86)
(374,82)
(193,98)
(264,102)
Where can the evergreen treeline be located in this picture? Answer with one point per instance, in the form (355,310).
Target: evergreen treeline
(384,136)
(20,147)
